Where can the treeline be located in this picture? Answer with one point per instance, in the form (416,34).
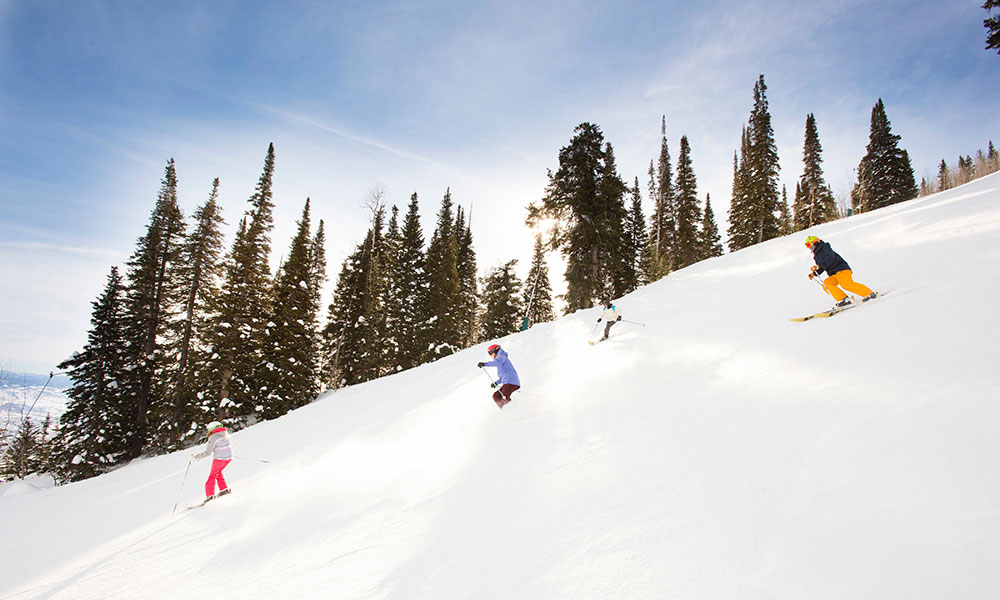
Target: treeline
(968,168)
(188,334)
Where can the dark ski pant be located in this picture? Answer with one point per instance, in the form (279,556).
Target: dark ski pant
(607,328)
(502,396)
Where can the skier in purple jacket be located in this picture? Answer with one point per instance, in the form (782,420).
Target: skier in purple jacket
(507,379)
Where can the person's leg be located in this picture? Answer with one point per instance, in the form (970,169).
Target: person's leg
(215,474)
(846,279)
(607,328)
(831,283)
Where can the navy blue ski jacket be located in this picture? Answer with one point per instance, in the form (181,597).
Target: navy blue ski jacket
(828,260)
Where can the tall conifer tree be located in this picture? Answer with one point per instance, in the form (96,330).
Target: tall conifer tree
(150,298)
(243,310)
(503,305)
(468,307)
(585,199)
(814,201)
(687,250)
(709,238)
(885,175)
(92,432)
(290,377)
(663,226)
(635,240)
(197,272)
(408,306)
(538,289)
(444,298)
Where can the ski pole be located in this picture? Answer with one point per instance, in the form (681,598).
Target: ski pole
(485,372)
(253,459)
(592,333)
(633,322)
(182,487)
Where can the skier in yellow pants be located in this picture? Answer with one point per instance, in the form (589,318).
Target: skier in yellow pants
(838,272)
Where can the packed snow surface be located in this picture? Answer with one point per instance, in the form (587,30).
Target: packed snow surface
(718,451)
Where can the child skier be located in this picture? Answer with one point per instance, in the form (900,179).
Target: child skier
(838,272)
(222,450)
(613,318)
(507,381)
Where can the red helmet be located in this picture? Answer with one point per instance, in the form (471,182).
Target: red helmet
(493,349)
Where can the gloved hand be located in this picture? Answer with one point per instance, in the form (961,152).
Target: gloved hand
(493,385)
(599,320)
(194,457)
(481,365)
(811,275)
(618,319)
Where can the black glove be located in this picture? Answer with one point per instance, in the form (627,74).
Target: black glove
(481,365)
(599,320)
(493,385)
(618,319)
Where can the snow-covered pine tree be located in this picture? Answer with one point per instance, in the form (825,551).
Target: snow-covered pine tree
(708,237)
(291,345)
(197,274)
(502,302)
(243,311)
(663,226)
(468,308)
(444,298)
(814,201)
(614,251)
(151,301)
(92,432)
(585,199)
(22,455)
(785,225)
(635,241)
(885,175)
(992,25)
(354,338)
(538,289)
(763,172)
(740,234)
(408,300)
(686,247)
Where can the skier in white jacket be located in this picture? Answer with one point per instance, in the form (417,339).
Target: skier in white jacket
(221,450)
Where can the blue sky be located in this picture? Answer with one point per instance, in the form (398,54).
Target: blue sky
(421,96)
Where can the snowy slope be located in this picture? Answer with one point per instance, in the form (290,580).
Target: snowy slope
(719,451)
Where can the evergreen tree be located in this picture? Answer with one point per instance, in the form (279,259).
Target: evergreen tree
(944,179)
(444,299)
(243,310)
(393,341)
(885,175)
(686,247)
(739,233)
(353,339)
(291,346)
(197,273)
(585,199)
(408,305)
(763,172)
(538,290)
(22,455)
(92,433)
(151,296)
(502,301)
(614,254)
(992,25)
(653,267)
(785,214)
(814,201)
(635,241)
(710,240)
(663,228)
(468,306)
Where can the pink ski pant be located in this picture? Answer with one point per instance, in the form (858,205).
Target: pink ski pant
(216,475)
